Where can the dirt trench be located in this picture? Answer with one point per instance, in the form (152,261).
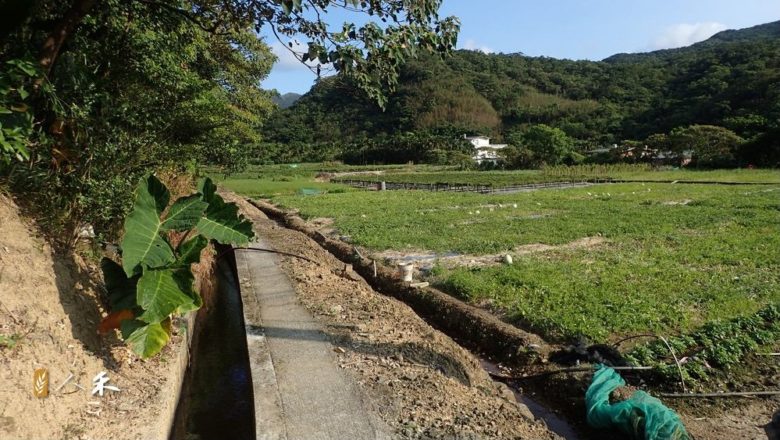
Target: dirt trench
(476,327)
(424,384)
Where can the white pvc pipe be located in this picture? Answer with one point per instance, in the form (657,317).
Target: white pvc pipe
(406,271)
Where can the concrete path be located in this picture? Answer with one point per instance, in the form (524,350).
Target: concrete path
(300,392)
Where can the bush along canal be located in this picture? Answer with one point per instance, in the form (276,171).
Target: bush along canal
(216,399)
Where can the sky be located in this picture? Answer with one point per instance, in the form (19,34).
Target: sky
(574,29)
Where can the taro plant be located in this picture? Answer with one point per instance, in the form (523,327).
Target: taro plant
(154,280)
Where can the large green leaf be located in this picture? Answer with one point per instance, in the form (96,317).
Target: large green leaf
(121,289)
(142,242)
(146,340)
(161,292)
(223,223)
(184,214)
(189,251)
(207,189)
(166,291)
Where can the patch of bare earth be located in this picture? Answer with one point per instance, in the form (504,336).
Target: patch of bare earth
(748,420)
(426,385)
(50,307)
(426,259)
(326,177)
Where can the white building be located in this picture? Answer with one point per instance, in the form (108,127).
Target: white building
(484,151)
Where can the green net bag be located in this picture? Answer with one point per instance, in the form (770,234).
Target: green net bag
(642,416)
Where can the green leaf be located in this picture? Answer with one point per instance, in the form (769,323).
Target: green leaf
(223,223)
(207,189)
(184,214)
(146,340)
(189,251)
(142,242)
(27,67)
(121,289)
(161,292)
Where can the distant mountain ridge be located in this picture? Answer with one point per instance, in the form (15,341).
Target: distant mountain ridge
(731,79)
(286,100)
(766,31)
(761,31)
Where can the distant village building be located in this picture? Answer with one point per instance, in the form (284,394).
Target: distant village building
(484,151)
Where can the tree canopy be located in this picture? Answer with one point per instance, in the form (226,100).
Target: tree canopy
(93,94)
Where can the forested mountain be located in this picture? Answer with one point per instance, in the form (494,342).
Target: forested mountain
(286,100)
(731,80)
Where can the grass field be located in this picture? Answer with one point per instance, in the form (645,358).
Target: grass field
(578,173)
(287,179)
(675,256)
(280,186)
(697,262)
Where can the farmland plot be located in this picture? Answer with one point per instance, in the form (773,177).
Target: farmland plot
(634,172)
(665,258)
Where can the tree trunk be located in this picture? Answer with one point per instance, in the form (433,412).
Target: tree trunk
(51,47)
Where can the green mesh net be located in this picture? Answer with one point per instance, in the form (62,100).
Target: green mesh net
(642,416)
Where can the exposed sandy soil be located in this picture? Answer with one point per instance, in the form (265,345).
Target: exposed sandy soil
(751,420)
(425,259)
(50,302)
(427,386)
(326,177)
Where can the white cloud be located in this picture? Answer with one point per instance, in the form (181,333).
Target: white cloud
(685,34)
(287,61)
(473,45)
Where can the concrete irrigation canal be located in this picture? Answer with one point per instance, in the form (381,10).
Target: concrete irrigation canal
(308,339)
(300,348)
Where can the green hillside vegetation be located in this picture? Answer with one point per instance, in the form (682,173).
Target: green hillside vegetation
(286,100)
(731,81)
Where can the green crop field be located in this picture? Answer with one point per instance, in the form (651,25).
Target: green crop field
(280,186)
(577,173)
(288,179)
(674,256)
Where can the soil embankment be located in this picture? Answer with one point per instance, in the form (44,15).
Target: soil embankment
(50,308)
